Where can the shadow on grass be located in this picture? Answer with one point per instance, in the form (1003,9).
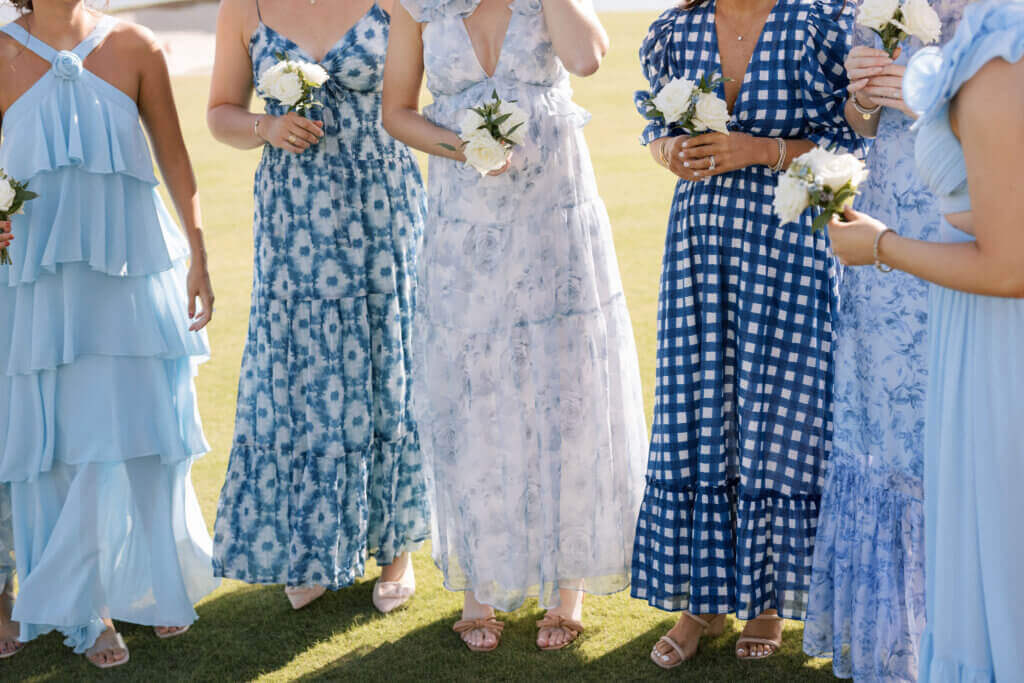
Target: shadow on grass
(434,652)
(239,636)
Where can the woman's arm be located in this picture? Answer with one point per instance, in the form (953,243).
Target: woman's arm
(228,115)
(993,142)
(577,35)
(403,79)
(160,116)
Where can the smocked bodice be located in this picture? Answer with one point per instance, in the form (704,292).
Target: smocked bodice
(989,30)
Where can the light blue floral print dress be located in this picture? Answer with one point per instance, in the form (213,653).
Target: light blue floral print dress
(866,607)
(531,407)
(326,464)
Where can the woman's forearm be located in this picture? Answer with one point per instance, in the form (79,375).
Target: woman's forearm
(964,266)
(410,127)
(577,35)
(236,126)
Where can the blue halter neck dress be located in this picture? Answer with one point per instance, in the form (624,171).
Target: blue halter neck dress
(98,419)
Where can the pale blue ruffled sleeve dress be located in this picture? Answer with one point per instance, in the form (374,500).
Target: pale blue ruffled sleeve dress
(974,441)
(98,419)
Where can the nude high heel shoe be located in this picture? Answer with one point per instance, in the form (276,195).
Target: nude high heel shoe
(300,596)
(390,595)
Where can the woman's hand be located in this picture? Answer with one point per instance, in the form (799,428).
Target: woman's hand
(863,64)
(199,287)
(711,154)
(886,89)
(853,237)
(669,151)
(503,169)
(291,132)
(5,234)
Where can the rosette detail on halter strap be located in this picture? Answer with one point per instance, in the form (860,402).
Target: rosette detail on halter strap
(67,66)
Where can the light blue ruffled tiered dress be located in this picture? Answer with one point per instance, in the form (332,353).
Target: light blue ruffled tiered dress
(98,419)
(974,441)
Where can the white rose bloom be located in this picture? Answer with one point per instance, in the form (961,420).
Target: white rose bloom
(286,88)
(518,118)
(817,160)
(841,169)
(791,199)
(469,127)
(876,14)
(7,195)
(674,99)
(921,21)
(314,74)
(485,154)
(712,113)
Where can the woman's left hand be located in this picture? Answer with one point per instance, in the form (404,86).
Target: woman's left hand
(886,89)
(199,287)
(711,154)
(5,234)
(853,237)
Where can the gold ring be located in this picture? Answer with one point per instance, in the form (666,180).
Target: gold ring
(292,139)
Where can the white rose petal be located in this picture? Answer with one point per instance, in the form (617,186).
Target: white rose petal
(876,14)
(517,117)
(840,170)
(674,99)
(817,160)
(7,195)
(286,89)
(485,154)
(921,21)
(712,113)
(791,198)
(314,74)
(469,127)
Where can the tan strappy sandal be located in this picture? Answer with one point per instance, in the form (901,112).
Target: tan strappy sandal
(713,628)
(488,624)
(775,644)
(555,621)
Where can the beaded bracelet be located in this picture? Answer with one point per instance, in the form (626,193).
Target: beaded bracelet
(777,168)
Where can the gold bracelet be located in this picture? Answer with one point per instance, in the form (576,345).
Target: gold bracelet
(256,129)
(661,152)
(777,168)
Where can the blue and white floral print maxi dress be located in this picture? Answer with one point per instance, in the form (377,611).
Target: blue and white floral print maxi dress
(742,413)
(531,411)
(98,418)
(326,464)
(866,607)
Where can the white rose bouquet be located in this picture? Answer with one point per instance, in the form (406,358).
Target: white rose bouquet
(894,21)
(694,106)
(818,178)
(13,196)
(489,133)
(292,83)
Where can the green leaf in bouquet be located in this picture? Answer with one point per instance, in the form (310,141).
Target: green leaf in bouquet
(514,128)
(502,119)
(450,148)
(821,221)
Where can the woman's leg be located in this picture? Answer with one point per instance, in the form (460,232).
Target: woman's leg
(570,608)
(472,610)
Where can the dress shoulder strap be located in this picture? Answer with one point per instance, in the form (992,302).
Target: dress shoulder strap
(98,35)
(28,40)
(259,15)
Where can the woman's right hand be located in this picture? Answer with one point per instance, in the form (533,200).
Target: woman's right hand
(291,132)
(863,64)
(670,149)
(5,234)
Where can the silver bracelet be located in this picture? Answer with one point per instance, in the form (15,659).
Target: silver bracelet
(865,113)
(878,262)
(777,168)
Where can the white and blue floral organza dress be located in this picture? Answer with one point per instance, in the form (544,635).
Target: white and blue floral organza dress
(531,407)
(866,608)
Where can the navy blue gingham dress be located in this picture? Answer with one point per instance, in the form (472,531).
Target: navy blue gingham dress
(742,417)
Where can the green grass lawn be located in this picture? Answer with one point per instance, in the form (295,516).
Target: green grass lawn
(250,632)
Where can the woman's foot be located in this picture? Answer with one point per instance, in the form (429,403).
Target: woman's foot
(300,596)
(681,643)
(109,649)
(479,630)
(761,637)
(165,632)
(396,585)
(9,629)
(561,625)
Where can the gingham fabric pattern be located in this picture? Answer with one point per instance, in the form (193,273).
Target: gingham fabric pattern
(742,420)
